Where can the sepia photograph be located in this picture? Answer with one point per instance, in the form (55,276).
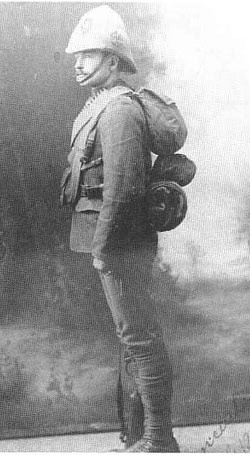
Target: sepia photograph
(125,226)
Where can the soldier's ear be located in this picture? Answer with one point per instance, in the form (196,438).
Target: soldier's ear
(114,62)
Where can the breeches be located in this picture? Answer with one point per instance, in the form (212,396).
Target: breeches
(126,290)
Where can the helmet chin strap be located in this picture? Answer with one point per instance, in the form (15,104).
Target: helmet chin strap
(95,70)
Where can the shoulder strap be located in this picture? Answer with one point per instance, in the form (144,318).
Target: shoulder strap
(136,96)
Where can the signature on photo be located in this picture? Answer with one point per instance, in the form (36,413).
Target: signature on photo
(219,432)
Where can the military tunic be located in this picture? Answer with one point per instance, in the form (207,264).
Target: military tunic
(107,224)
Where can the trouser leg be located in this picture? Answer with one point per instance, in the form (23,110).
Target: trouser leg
(138,329)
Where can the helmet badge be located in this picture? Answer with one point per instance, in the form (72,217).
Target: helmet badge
(86,25)
(116,39)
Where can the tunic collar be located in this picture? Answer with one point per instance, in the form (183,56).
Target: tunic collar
(91,105)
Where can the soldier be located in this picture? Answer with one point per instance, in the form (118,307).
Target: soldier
(106,182)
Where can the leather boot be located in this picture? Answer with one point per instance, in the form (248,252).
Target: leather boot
(153,446)
(154,382)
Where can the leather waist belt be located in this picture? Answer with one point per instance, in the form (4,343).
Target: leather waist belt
(93,192)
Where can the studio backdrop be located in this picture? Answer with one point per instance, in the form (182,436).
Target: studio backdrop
(58,348)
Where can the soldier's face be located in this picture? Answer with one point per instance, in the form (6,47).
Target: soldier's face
(91,69)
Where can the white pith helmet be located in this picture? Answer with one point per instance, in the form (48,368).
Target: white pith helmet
(102,29)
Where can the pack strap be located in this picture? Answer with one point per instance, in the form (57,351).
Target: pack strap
(136,96)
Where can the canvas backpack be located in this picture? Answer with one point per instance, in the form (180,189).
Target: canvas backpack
(166,200)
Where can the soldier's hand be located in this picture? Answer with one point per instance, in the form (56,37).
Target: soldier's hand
(100,265)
